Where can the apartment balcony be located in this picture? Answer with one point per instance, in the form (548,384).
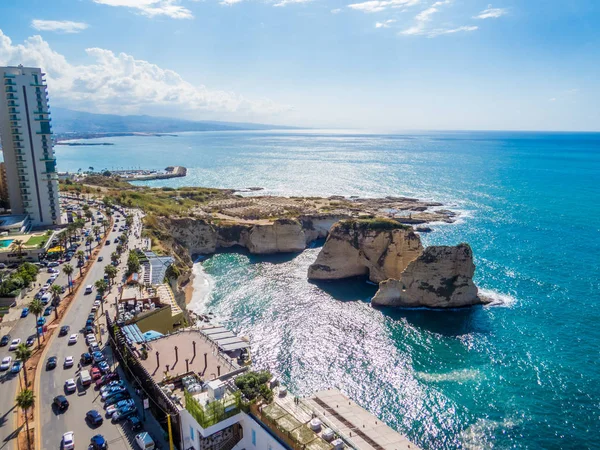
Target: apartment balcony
(47,132)
(42,119)
(10,89)
(9,82)
(14,117)
(21,165)
(13,103)
(18,150)
(38,85)
(11,97)
(48,159)
(9,75)
(40,111)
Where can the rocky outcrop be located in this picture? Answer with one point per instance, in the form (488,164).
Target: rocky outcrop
(379,248)
(442,277)
(201,236)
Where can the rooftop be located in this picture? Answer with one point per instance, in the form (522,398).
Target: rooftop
(203,356)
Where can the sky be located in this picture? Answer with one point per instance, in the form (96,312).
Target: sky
(381,65)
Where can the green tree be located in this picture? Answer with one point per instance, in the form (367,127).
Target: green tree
(88,243)
(101,287)
(23,353)
(80,255)
(36,307)
(68,270)
(56,291)
(96,230)
(18,247)
(111,272)
(133,263)
(114,257)
(105,224)
(26,400)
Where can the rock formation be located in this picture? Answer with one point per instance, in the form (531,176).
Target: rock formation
(379,248)
(442,277)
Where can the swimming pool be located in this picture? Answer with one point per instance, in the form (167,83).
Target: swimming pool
(6,243)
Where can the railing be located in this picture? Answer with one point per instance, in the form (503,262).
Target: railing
(215,411)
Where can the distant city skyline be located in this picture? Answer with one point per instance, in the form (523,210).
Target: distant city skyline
(381,65)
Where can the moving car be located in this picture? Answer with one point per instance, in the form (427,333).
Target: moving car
(30,341)
(25,312)
(14,344)
(68,362)
(61,402)
(5,363)
(98,442)
(73,339)
(64,330)
(16,367)
(5,340)
(88,289)
(68,441)
(70,385)
(86,358)
(94,417)
(51,363)
(100,258)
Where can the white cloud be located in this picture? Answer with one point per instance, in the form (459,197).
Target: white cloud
(60,26)
(336,11)
(441,31)
(119,82)
(423,17)
(290,2)
(491,13)
(372,6)
(553,99)
(229,2)
(153,8)
(384,24)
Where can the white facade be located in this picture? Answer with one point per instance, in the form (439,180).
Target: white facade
(254,436)
(26,137)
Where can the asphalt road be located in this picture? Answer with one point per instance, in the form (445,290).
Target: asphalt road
(53,423)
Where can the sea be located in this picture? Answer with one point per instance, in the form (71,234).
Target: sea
(523,372)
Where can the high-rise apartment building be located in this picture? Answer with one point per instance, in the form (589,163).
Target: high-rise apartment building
(26,137)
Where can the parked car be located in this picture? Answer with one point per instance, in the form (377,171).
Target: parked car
(112,384)
(48,310)
(30,341)
(94,347)
(134,423)
(98,356)
(106,379)
(96,374)
(116,398)
(25,312)
(104,367)
(41,321)
(124,413)
(61,402)
(64,330)
(5,340)
(5,365)
(68,440)
(94,417)
(144,441)
(70,386)
(51,363)
(113,408)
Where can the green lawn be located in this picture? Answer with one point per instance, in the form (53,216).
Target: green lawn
(35,241)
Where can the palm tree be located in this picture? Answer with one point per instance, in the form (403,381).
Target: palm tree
(114,257)
(101,287)
(111,272)
(18,246)
(23,353)
(119,249)
(88,243)
(88,214)
(25,400)
(55,290)
(105,223)
(68,271)
(36,307)
(80,255)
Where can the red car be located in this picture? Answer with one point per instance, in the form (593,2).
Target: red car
(106,378)
(95,373)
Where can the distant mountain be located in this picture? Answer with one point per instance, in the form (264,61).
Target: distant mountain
(67,121)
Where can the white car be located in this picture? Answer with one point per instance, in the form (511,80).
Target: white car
(90,338)
(97,303)
(54,276)
(68,362)
(14,344)
(5,363)
(68,441)
(73,339)
(70,385)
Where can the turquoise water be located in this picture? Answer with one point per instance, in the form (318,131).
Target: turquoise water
(522,374)
(4,243)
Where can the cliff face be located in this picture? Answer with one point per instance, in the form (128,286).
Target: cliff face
(200,236)
(380,250)
(442,277)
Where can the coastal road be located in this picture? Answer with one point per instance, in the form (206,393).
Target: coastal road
(54,424)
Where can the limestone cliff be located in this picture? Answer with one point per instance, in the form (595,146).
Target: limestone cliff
(201,236)
(379,248)
(442,277)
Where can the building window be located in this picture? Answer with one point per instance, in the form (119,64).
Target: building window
(192,434)
(254,438)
